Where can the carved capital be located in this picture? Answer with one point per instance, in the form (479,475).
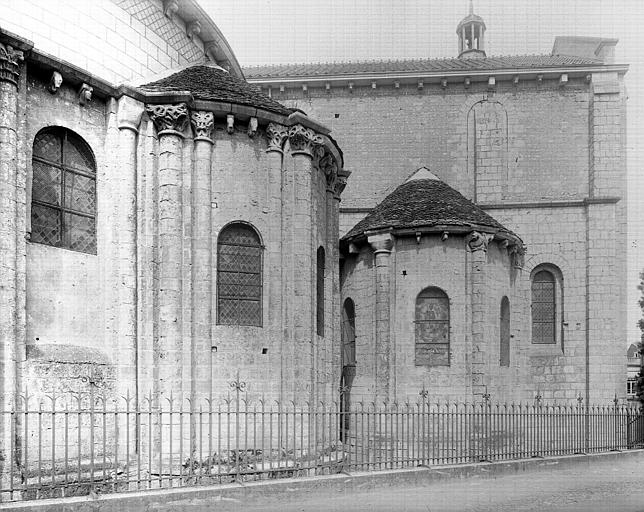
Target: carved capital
(381,242)
(304,140)
(478,241)
(329,167)
(129,113)
(277,134)
(517,255)
(203,123)
(10,63)
(173,118)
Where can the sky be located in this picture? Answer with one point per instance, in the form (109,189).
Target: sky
(300,31)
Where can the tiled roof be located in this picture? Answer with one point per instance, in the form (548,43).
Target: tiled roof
(426,203)
(213,83)
(418,65)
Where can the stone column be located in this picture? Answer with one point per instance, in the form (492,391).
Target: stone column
(382,243)
(282,206)
(170,121)
(9,75)
(202,282)
(303,142)
(477,244)
(124,283)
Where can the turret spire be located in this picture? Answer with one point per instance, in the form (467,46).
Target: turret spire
(471,31)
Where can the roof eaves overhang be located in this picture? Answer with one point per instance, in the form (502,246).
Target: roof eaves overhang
(438,229)
(437,76)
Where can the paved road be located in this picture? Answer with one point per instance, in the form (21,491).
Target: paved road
(613,487)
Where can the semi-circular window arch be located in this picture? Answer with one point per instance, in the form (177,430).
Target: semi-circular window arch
(546,304)
(432,328)
(504,333)
(63,193)
(239,275)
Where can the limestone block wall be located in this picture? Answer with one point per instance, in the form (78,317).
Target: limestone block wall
(443,265)
(116,40)
(503,279)
(538,150)
(63,294)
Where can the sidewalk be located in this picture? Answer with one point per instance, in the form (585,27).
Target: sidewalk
(610,482)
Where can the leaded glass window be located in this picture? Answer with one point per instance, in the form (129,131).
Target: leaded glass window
(63,197)
(504,348)
(432,328)
(544,312)
(320,291)
(239,276)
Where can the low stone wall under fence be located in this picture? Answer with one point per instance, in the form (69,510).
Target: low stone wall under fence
(75,445)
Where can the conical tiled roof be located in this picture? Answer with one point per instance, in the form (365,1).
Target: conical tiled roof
(424,202)
(215,84)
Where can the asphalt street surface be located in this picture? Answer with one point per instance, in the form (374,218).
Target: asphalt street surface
(612,486)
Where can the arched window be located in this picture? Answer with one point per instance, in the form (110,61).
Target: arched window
(432,328)
(348,333)
(239,276)
(546,304)
(63,196)
(320,291)
(504,333)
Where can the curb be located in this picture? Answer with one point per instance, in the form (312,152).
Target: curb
(197,497)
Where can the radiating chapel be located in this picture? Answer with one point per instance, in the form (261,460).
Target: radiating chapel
(170,223)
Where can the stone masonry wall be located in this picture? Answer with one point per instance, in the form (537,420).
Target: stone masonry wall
(116,40)
(547,130)
(63,288)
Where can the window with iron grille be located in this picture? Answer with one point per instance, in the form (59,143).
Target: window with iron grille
(239,276)
(320,291)
(544,307)
(63,197)
(504,333)
(432,328)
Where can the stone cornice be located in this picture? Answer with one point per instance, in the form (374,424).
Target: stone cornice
(455,76)
(169,119)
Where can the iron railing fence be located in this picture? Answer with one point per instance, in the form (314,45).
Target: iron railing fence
(64,446)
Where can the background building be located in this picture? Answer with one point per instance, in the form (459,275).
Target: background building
(536,141)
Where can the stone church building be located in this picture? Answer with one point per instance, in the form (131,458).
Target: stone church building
(168,227)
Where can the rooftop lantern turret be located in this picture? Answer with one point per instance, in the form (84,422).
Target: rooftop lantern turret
(471,36)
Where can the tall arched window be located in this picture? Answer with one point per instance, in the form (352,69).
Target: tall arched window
(63,196)
(504,333)
(239,276)
(547,304)
(348,333)
(432,328)
(320,291)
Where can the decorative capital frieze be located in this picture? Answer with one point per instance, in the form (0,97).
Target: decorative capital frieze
(203,123)
(304,140)
(129,113)
(169,118)
(381,242)
(339,186)
(329,167)
(517,255)
(478,241)
(277,135)
(10,63)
